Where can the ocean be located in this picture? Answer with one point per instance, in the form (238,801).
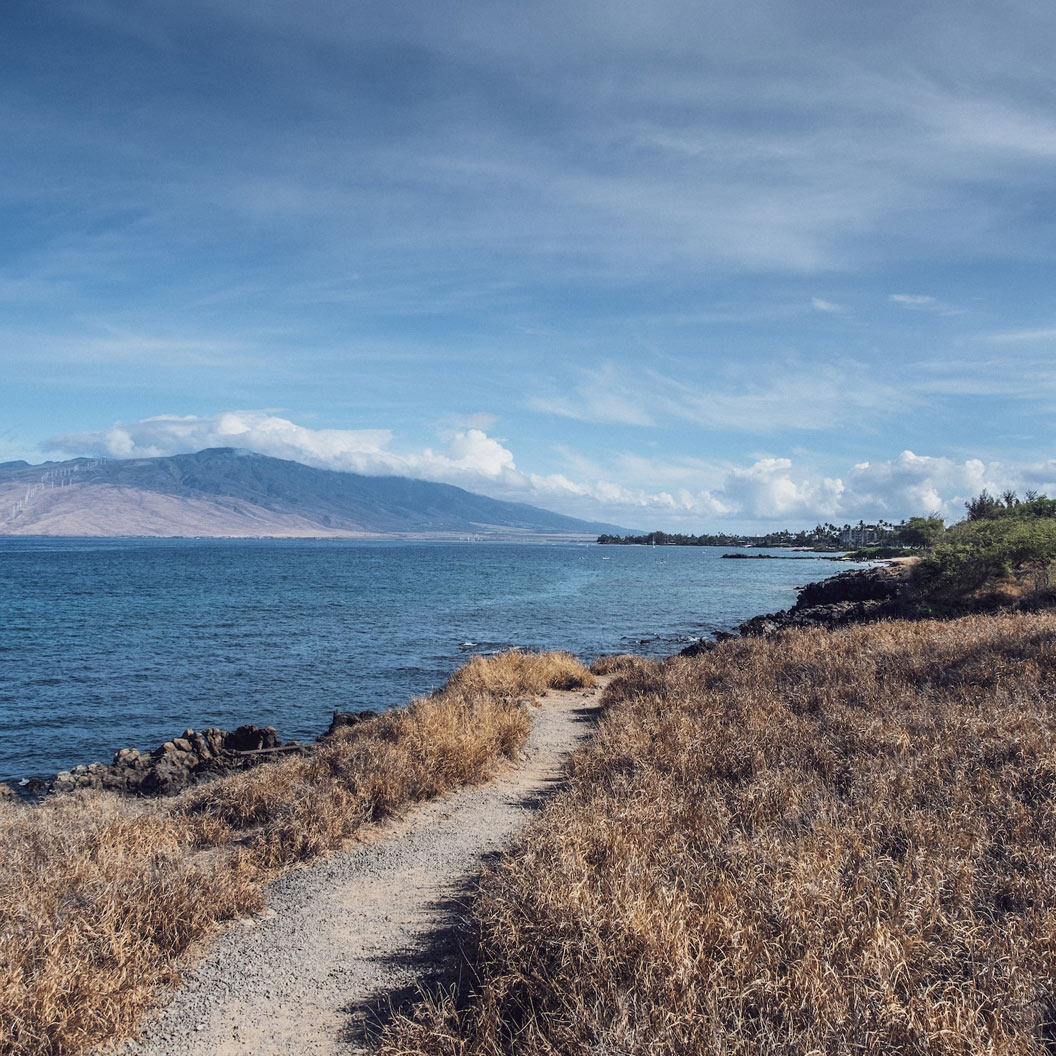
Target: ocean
(115,643)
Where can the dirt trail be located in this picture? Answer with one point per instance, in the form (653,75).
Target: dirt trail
(344,935)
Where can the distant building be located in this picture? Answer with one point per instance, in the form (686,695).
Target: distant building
(863,535)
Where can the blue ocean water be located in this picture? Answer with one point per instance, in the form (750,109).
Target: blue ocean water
(112,643)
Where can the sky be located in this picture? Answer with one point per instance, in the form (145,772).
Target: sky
(695,266)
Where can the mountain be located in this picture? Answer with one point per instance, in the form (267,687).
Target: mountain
(227,492)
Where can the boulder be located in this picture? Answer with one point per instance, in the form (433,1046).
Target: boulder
(344,719)
(251,739)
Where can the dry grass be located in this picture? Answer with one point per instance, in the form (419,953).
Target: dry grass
(514,673)
(100,897)
(618,663)
(821,843)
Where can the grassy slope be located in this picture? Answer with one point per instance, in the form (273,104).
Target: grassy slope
(821,843)
(100,897)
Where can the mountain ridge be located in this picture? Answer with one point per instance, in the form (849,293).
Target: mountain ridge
(230,492)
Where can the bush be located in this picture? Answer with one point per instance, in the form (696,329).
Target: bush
(977,556)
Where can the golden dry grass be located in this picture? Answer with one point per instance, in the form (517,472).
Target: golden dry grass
(515,672)
(823,843)
(100,898)
(618,663)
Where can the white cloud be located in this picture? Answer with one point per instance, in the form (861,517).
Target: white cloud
(760,397)
(922,302)
(1010,337)
(471,453)
(473,459)
(914,300)
(768,489)
(676,492)
(820,305)
(918,484)
(606,394)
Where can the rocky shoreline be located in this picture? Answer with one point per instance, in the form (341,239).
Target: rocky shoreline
(850,597)
(858,596)
(184,761)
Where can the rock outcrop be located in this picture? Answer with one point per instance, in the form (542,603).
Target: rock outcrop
(184,761)
(343,719)
(178,763)
(857,596)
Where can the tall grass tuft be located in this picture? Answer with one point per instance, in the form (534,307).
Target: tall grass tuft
(822,843)
(101,898)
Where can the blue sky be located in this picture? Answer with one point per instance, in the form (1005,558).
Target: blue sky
(684,265)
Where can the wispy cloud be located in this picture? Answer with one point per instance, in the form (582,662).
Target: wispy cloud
(1015,337)
(921,301)
(604,224)
(758,398)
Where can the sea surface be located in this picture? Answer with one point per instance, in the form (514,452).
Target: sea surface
(106,644)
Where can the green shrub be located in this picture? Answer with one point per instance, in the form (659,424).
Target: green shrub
(976,555)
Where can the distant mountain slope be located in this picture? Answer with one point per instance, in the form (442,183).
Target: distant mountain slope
(227,492)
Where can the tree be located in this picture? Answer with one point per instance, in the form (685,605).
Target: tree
(983,507)
(923,532)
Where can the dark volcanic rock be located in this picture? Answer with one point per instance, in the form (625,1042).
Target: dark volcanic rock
(251,739)
(179,763)
(858,596)
(697,648)
(342,719)
(863,584)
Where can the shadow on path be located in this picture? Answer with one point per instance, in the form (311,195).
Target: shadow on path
(441,962)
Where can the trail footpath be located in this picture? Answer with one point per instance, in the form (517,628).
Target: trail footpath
(346,936)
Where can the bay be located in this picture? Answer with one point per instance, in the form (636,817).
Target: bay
(112,643)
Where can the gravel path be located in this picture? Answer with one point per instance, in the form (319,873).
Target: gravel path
(345,935)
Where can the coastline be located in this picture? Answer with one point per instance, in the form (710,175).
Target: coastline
(195,757)
(765,761)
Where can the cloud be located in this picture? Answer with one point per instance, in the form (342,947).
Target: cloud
(767,489)
(613,137)
(472,460)
(471,454)
(1010,337)
(591,405)
(820,305)
(759,397)
(685,493)
(914,300)
(919,484)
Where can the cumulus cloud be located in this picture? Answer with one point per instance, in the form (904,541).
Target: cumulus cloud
(471,452)
(917,484)
(686,494)
(920,484)
(769,488)
(472,460)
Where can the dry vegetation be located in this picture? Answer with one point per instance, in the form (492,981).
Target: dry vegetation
(100,897)
(820,843)
(620,663)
